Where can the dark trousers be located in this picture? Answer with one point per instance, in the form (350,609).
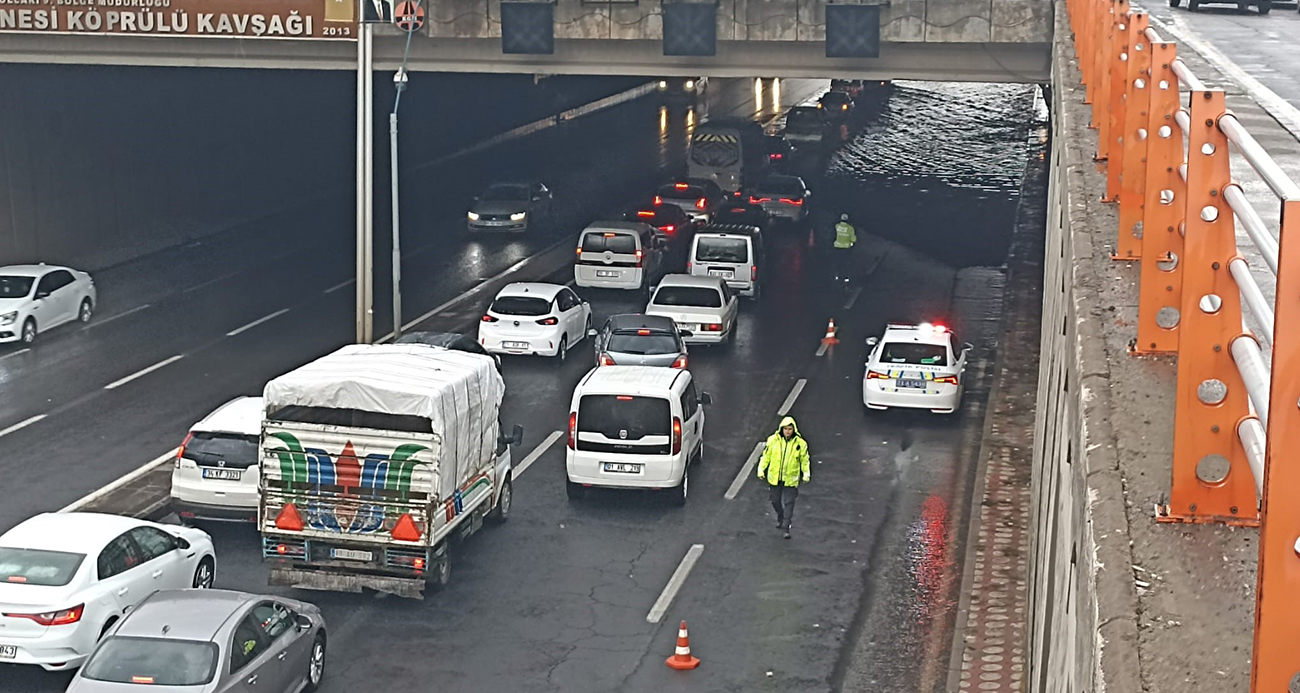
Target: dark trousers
(783,498)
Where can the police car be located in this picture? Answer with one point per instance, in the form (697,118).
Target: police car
(915,367)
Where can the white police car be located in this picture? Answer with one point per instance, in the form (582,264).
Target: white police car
(914,367)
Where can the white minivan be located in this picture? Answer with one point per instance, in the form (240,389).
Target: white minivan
(635,427)
(731,252)
(216,472)
(618,255)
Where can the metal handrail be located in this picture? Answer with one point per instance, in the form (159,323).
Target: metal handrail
(1254,439)
(1254,296)
(1254,372)
(1260,160)
(1254,225)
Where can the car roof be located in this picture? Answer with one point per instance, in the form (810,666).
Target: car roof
(31,270)
(629,380)
(780,178)
(242,415)
(531,289)
(836,94)
(633,321)
(690,280)
(629,226)
(71,532)
(802,108)
(918,334)
(184,614)
(745,230)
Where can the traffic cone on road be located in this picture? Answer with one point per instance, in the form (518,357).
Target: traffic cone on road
(682,659)
(830,333)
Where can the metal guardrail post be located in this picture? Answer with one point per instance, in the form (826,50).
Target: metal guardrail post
(1097,88)
(1130,174)
(1085,32)
(1117,104)
(1211,476)
(1113,46)
(1275,664)
(1160,291)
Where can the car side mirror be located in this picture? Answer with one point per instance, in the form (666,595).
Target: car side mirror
(517,435)
(872,341)
(304,623)
(42,294)
(182,543)
(706,398)
(967,347)
(592,332)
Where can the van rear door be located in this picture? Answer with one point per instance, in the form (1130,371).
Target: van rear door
(609,254)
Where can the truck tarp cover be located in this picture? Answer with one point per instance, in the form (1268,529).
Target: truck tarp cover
(459,393)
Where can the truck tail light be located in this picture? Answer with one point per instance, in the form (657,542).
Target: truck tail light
(288,519)
(573,430)
(677,435)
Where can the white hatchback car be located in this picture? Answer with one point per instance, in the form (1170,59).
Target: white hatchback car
(65,578)
(914,367)
(217,467)
(704,306)
(537,319)
(36,298)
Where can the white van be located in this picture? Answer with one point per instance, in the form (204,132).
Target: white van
(732,252)
(635,427)
(618,255)
(216,472)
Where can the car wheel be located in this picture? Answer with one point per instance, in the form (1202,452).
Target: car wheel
(86,312)
(586,328)
(575,492)
(1175,3)
(29,331)
(1193,5)
(501,513)
(1265,6)
(563,352)
(315,664)
(683,489)
(205,574)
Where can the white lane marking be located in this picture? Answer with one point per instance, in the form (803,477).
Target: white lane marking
(20,351)
(857,291)
(537,452)
(210,282)
(1285,114)
(821,350)
(794,395)
(674,584)
(21,425)
(336,287)
(119,482)
(257,322)
(105,321)
(745,470)
(143,372)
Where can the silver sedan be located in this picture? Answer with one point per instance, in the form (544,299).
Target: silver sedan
(210,641)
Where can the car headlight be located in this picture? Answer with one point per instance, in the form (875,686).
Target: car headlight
(473,216)
(9,318)
(518,216)
(663,84)
(690,84)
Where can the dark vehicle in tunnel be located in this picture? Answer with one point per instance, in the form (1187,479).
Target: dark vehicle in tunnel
(698,197)
(509,207)
(783,197)
(729,151)
(837,106)
(805,127)
(682,89)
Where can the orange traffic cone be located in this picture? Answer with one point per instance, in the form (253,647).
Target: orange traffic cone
(830,333)
(682,658)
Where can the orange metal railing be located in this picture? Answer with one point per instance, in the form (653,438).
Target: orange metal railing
(1236,447)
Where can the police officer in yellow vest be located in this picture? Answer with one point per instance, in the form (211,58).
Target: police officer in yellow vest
(845,238)
(783,465)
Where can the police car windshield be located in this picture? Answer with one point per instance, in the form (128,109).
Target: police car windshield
(15,287)
(714,249)
(914,354)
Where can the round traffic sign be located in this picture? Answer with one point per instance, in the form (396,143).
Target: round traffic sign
(409,16)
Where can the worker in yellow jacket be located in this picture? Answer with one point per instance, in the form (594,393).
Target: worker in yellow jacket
(784,466)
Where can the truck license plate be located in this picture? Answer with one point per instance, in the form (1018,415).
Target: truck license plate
(226,474)
(352,555)
(606,273)
(623,467)
(911,383)
(8,652)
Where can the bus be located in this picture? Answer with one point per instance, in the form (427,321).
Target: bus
(729,151)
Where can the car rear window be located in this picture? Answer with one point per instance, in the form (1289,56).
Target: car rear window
(632,342)
(600,242)
(695,296)
(781,186)
(623,417)
(521,305)
(714,249)
(802,120)
(212,449)
(689,192)
(15,287)
(152,661)
(37,567)
(914,354)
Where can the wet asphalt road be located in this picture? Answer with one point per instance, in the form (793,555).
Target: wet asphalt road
(556,600)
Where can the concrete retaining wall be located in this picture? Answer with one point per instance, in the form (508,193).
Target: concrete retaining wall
(1083,604)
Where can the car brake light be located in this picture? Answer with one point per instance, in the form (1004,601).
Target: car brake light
(578,252)
(659,200)
(946,379)
(645,213)
(798,202)
(489,318)
(775,156)
(639,255)
(62,617)
(753,273)
(141,679)
(549,321)
(605,360)
(701,203)
(573,430)
(624,398)
(668,229)
(844,107)
(688,267)
(643,333)
(737,193)
(405,529)
(877,375)
(609,235)
(680,362)
(713,328)
(289,519)
(758,200)
(677,435)
(681,186)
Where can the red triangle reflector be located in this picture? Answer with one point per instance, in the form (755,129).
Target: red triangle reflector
(405,529)
(288,519)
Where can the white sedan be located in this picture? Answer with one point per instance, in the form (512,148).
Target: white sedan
(914,367)
(533,318)
(36,298)
(65,578)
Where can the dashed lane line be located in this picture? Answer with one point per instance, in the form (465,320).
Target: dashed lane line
(21,425)
(674,584)
(821,350)
(745,470)
(214,280)
(120,482)
(143,372)
(853,297)
(537,452)
(790,398)
(111,318)
(20,351)
(257,322)
(340,285)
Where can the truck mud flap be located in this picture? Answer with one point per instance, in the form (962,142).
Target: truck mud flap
(412,588)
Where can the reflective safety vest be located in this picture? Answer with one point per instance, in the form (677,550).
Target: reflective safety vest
(845,235)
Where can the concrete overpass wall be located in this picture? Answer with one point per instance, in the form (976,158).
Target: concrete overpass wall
(1083,604)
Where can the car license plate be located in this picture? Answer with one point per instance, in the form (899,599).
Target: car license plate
(8,652)
(606,273)
(352,555)
(911,383)
(623,467)
(226,474)
(722,273)
(514,345)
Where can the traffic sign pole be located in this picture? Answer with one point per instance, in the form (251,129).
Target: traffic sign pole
(365,186)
